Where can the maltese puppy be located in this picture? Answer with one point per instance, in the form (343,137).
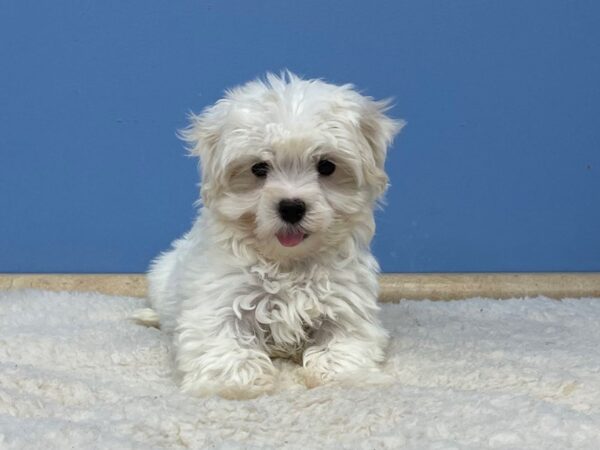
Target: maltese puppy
(277,263)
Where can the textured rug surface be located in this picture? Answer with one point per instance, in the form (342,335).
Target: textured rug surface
(472,374)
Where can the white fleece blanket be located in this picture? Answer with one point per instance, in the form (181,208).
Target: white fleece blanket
(479,373)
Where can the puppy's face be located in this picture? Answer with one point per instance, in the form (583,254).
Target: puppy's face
(293,166)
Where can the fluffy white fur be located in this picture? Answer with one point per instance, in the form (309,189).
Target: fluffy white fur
(232,295)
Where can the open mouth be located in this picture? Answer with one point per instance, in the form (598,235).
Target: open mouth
(291,238)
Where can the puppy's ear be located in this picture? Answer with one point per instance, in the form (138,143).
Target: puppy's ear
(203,137)
(379,131)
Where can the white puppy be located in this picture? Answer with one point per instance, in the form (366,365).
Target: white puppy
(278,262)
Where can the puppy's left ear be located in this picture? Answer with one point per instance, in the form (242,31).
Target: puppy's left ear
(379,131)
(203,137)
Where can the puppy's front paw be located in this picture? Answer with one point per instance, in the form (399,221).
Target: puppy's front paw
(326,365)
(232,378)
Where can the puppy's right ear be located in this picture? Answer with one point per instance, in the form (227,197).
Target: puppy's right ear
(379,130)
(203,137)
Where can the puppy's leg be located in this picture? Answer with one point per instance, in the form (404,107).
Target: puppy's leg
(216,354)
(147,317)
(346,351)
(163,289)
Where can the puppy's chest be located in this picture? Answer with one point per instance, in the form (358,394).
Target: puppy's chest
(286,324)
(288,311)
(292,305)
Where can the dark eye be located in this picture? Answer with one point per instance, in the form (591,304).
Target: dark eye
(325,167)
(260,169)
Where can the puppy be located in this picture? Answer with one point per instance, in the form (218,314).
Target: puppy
(277,263)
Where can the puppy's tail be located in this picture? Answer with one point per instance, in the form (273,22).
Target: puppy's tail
(147,317)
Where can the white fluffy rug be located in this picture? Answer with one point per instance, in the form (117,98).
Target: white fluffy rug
(75,373)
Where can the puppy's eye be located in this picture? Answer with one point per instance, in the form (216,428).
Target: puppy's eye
(261,169)
(325,167)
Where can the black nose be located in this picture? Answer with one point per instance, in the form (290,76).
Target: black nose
(292,210)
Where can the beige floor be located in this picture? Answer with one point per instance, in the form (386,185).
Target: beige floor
(393,286)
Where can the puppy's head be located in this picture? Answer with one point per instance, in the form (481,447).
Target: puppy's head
(294,165)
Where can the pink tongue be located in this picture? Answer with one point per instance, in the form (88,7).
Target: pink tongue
(290,240)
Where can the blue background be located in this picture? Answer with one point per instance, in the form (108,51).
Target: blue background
(498,168)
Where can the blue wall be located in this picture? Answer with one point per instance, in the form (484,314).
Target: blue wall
(497,170)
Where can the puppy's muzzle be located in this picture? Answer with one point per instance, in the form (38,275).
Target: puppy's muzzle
(292,210)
